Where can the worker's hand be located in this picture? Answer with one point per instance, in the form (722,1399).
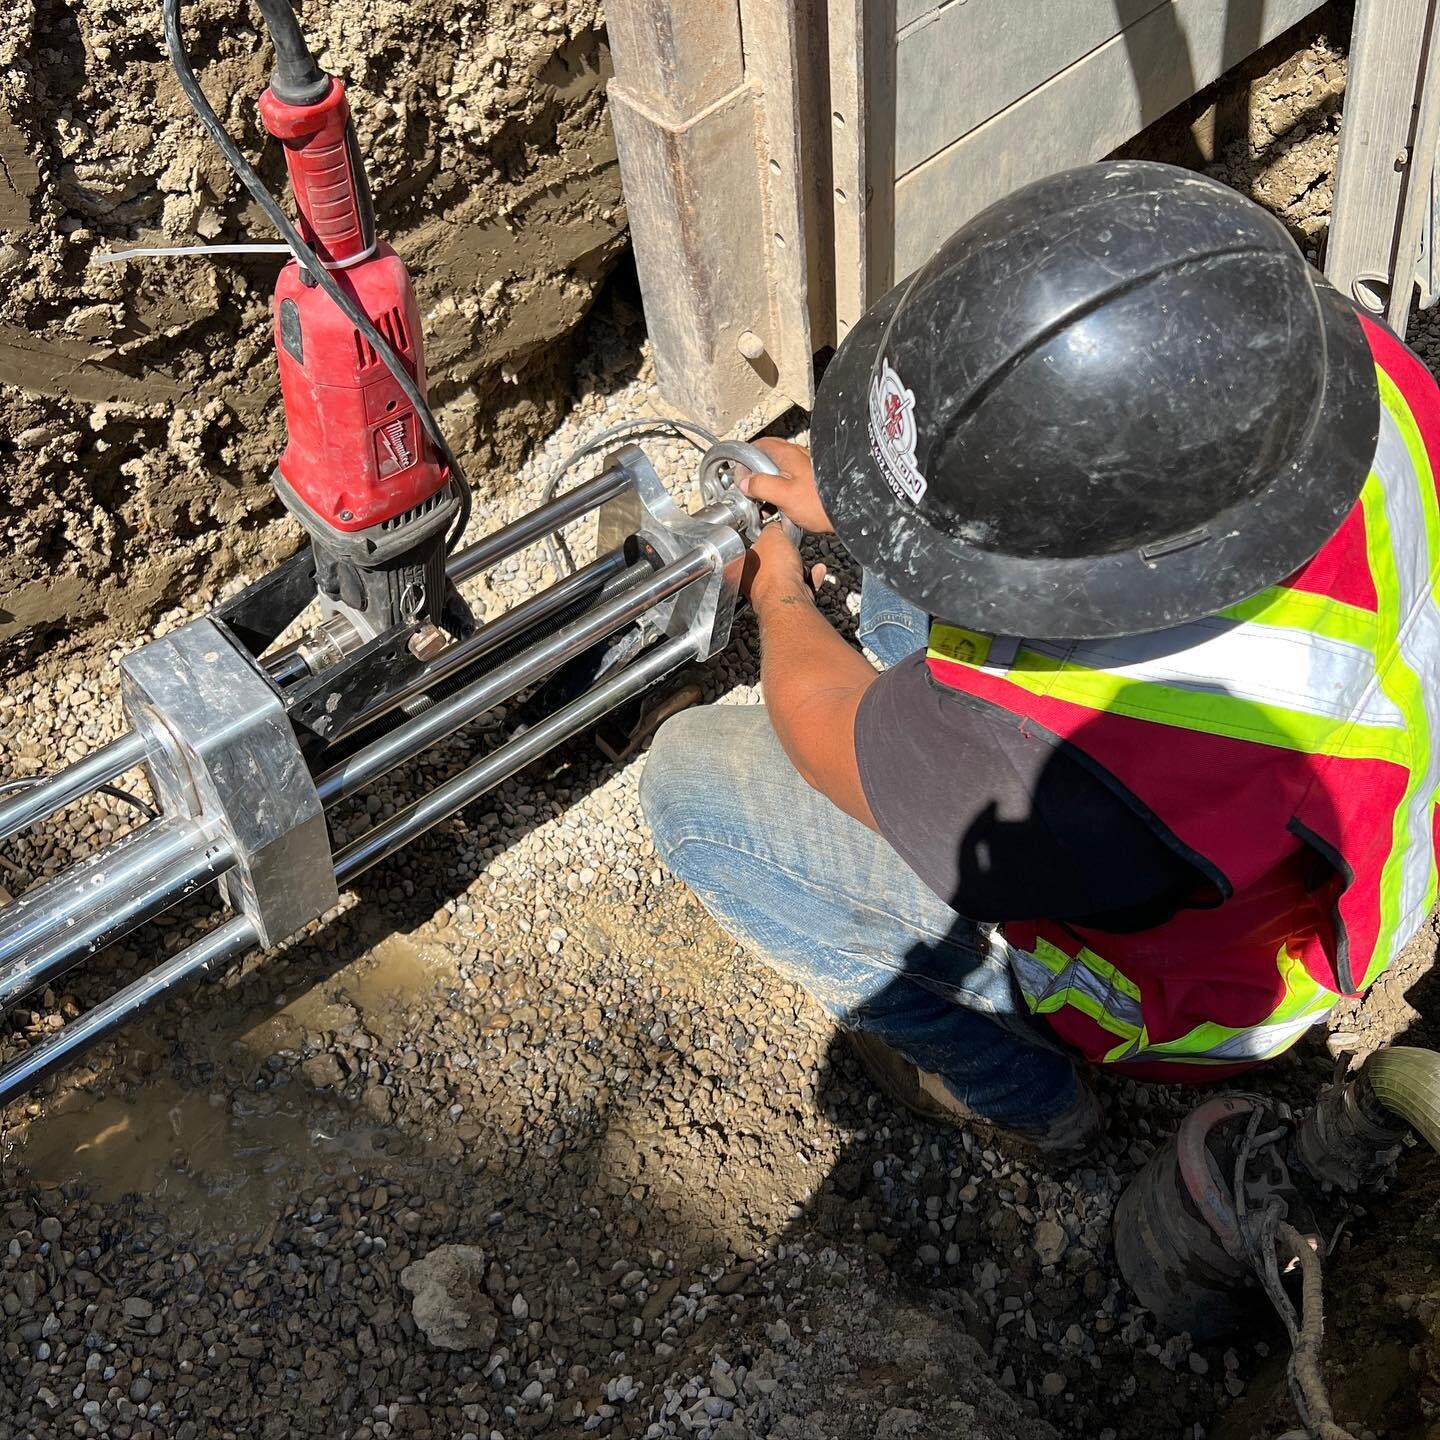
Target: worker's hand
(774,571)
(793,491)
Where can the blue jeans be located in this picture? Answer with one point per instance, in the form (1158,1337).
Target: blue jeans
(829,903)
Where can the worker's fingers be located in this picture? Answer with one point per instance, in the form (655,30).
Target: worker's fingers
(772,560)
(818,576)
(790,457)
(792,491)
(793,464)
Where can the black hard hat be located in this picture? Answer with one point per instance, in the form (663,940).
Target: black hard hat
(1117,400)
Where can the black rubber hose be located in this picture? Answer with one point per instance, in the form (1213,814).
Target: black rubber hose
(180,62)
(297,79)
(113,791)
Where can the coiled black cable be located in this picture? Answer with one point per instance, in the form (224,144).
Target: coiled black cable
(285,37)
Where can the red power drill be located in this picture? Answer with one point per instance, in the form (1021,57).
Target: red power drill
(360,472)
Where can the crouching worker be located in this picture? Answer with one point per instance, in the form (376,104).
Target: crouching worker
(1118,416)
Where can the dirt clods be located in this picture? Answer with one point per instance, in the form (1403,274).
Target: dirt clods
(450,1307)
(138,401)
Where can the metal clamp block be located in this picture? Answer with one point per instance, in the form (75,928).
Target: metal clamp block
(703,612)
(221,750)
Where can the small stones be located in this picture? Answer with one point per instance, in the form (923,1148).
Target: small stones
(323,1070)
(1050,1242)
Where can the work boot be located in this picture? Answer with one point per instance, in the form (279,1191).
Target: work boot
(929,1097)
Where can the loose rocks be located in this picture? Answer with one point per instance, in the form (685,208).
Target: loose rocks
(450,1306)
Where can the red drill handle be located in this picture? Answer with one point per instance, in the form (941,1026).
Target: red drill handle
(333,196)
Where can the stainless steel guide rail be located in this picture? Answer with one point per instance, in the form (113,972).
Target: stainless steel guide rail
(244,805)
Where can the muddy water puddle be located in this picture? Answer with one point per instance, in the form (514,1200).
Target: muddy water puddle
(388,984)
(221,1160)
(210,1164)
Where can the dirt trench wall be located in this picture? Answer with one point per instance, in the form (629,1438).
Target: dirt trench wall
(139,403)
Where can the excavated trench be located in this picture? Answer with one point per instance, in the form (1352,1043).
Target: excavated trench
(137,401)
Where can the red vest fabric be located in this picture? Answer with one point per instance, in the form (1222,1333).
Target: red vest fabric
(1301,725)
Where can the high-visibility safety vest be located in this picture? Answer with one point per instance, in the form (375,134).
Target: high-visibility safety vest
(1288,747)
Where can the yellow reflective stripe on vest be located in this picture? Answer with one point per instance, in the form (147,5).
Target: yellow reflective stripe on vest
(1050,981)
(1314,614)
(1305,1003)
(1220,704)
(1268,683)
(1402,526)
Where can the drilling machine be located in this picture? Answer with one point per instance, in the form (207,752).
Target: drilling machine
(248,742)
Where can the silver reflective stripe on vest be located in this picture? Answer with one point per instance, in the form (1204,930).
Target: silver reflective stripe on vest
(1267,664)
(1259,1042)
(1039,983)
(1034,978)
(1419,644)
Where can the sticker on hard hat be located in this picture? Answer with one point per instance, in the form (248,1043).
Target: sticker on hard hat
(892,434)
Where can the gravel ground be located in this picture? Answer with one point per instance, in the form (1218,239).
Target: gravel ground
(687,1212)
(680,1210)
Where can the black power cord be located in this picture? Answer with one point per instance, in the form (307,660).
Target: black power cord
(286,37)
(298,80)
(114,791)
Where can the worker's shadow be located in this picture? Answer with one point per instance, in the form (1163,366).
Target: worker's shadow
(1202,128)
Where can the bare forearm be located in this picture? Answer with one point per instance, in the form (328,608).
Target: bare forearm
(813,682)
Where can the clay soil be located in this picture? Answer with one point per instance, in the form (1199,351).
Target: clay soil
(138,422)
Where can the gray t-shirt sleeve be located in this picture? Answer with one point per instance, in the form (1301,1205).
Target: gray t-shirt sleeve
(1001,820)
